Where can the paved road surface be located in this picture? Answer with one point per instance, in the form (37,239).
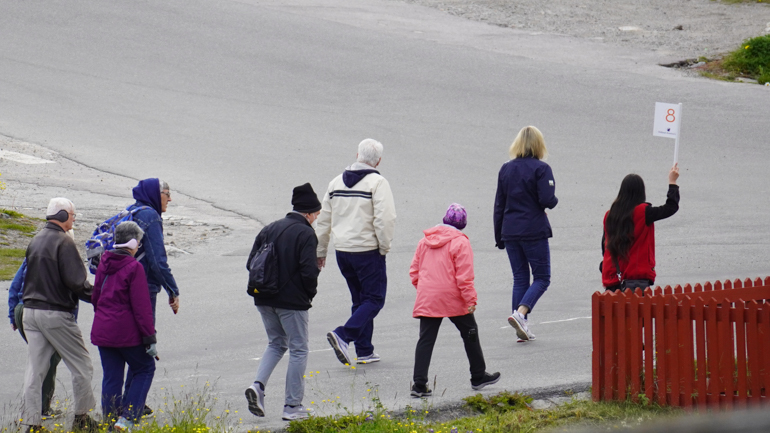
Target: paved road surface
(236,102)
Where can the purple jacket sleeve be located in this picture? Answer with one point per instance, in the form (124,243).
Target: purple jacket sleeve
(139,295)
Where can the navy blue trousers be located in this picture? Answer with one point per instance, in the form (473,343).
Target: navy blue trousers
(367,282)
(142,365)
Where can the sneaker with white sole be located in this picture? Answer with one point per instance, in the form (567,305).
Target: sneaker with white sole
(256,398)
(368,359)
(297,412)
(123,425)
(340,347)
(519,323)
(420,391)
(488,379)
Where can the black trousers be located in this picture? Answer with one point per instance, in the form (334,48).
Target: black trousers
(429,327)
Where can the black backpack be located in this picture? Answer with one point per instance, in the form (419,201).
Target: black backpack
(263,270)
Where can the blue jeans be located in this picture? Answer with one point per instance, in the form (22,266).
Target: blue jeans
(367,282)
(114,360)
(524,255)
(286,329)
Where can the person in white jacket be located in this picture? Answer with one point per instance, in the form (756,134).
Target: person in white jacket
(358,209)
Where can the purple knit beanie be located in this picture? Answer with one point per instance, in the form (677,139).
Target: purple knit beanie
(456,216)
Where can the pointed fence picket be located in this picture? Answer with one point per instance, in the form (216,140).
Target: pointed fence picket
(694,346)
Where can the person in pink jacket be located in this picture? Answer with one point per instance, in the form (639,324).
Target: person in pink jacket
(442,273)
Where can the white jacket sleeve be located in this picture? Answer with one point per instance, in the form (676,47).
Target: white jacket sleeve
(384,215)
(323,226)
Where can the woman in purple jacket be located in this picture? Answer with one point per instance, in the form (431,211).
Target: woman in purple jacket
(123,328)
(525,189)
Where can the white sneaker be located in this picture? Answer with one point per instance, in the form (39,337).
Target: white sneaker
(298,412)
(368,359)
(340,348)
(123,425)
(256,398)
(519,323)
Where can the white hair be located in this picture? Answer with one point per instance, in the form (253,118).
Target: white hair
(163,185)
(59,204)
(369,152)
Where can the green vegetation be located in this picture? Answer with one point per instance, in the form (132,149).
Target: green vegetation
(504,412)
(15,231)
(189,410)
(752,59)
(10,260)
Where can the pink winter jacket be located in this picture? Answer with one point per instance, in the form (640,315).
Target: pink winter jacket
(442,272)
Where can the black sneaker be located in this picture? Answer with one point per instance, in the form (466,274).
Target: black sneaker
(147,411)
(85,423)
(488,379)
(419,391)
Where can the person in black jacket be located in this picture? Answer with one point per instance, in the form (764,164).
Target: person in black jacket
(285,314)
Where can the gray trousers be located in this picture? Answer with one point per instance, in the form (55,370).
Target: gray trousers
(49,332)
(286,329)
(49,383)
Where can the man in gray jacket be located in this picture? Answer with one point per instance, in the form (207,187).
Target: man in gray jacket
(56,279)
(358,209)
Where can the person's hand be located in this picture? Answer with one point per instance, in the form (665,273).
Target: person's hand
(321,262)
(673,175)
(174,303)
(152,350)
(471,309)
(13,327)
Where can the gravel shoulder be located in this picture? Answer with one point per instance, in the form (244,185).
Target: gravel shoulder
(674,29)
(34,174)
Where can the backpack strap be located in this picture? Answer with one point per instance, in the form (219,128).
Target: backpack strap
(273,241)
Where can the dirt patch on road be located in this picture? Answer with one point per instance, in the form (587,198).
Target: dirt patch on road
(673,28)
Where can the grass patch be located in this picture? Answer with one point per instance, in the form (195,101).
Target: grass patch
(504,412)
(750,60)
(12,213)
(10,260)
(19,227)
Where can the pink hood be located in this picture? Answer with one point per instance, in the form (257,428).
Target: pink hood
(442,272)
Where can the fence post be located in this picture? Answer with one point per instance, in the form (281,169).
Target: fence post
(597,333)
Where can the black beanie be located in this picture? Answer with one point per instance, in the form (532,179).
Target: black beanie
(304,199)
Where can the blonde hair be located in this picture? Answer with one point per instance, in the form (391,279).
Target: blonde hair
(529,142)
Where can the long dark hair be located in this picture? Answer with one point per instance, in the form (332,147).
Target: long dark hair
(620,220)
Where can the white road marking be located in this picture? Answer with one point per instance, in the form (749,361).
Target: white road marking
(565,320)
(552,321)
(23,158)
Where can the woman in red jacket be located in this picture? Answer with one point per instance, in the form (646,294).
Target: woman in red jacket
(628,243)
(442,273)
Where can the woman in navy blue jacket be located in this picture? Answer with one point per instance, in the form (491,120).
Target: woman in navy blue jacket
(525,189)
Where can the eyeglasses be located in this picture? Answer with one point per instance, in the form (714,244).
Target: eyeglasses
(166,193)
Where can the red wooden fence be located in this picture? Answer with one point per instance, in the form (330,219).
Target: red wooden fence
(701,346)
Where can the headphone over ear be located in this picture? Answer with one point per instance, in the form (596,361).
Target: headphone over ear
(61,216)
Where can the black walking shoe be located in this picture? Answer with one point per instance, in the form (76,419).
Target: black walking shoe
(488,379)
(51,413)
(146,411)
(419,391)
(85,423)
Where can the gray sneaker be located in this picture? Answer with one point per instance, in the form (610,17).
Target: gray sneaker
(256,398)
(340,348)
(519,323)
(298,412)
(368,359)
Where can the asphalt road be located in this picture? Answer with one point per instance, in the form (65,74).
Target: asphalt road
(236,102)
